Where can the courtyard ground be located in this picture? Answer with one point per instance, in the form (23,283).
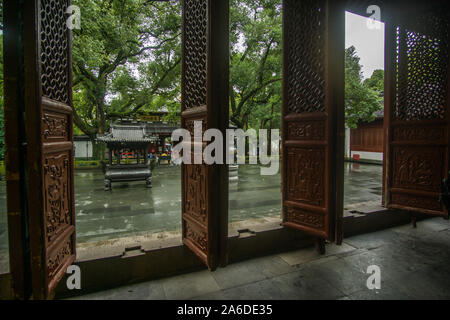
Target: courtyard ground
(131,209)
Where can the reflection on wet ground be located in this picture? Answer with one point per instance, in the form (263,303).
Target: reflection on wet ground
(132,209)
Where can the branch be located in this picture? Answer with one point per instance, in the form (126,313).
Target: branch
(254,92)
(151,93)
(83,126)
(123,58)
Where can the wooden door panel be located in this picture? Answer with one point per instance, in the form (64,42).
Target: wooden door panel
(312,98)
(205,62)
(417,118)
(50,156)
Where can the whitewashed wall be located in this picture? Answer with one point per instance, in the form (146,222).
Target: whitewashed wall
(83,149)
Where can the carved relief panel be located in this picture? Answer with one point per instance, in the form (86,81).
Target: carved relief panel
(196,192)
(305,182)
(58,197)
(419,168)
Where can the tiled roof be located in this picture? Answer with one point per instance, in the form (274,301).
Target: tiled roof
(159,127)
(127,133)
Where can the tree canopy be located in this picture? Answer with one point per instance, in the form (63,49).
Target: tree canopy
(362,99)
(255,63)
(126,62)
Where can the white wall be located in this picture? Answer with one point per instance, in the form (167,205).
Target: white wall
(363,155)
(83,149)
(347,142)
(368,155)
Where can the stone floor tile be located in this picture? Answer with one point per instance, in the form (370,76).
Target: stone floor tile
(190,285)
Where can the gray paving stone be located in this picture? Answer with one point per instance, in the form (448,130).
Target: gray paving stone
(237,274)
(141,291)
(340,275)
(309,254)
(303,285)
(190,285)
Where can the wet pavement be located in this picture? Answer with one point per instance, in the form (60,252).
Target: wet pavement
(131,209)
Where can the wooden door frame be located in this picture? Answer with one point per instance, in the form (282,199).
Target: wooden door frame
(15,144)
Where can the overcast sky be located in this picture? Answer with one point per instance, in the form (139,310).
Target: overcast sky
(369,43)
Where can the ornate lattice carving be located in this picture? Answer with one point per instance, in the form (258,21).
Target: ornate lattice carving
(195,189)
(313,130)
(57,195)
(195,52)
(421,72)
(303,217)
(54,50)
(305,182)
(305,47)
(418,168)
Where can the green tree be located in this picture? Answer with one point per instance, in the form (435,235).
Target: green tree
(126,60)
(376,81)
(361,101)
(255,63)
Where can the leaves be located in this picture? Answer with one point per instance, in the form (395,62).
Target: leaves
(126,54)
(362,100)
(126,61)
(255,66)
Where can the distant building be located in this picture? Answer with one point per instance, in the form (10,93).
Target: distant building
(158,130)
(366,141)
(153,124)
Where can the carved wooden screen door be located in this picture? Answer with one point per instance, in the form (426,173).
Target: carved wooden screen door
(416,111)
(313,116)
(48,109)
(205,98)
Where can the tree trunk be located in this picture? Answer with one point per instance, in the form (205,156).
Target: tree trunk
(98,150)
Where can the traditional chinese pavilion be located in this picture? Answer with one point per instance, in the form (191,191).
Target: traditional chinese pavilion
(128,144)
